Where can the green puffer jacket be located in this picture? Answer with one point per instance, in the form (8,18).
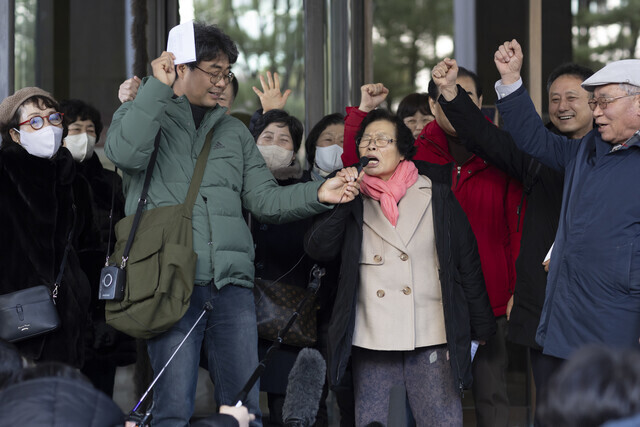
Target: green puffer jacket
(235,177)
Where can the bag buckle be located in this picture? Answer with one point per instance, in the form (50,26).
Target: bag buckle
(123,264)
(20,311)
(54,294)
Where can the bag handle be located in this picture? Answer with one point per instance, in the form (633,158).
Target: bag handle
(196,180)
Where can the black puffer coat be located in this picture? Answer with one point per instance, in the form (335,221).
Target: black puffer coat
(467,311)
(36,216)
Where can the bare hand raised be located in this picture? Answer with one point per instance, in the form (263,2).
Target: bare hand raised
(372,95)
(508,59)
(163,68)
(129,89)
(270,97)
(444,75)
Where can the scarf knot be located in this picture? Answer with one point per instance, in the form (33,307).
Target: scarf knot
(389,193)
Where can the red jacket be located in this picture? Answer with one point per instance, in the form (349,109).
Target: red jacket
(489,197)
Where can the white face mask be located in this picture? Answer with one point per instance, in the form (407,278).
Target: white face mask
(81,146)
(328,158)
(43,143)
(276,157)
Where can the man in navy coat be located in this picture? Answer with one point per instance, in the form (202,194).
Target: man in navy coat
(593,288)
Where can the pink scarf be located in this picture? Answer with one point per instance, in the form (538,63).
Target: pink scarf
(390,192)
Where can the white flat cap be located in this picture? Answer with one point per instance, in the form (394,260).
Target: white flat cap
(624,71)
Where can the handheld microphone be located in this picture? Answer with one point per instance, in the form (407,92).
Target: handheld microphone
(364,161)
(304,389)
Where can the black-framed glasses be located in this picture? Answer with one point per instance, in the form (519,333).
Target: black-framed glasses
(378,141)
(37,122)
(215,77)
(602,102)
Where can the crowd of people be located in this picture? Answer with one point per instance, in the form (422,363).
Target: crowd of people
(435,246)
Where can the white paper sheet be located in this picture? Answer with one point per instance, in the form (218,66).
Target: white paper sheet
(474,348)
(548,257)
(182,43)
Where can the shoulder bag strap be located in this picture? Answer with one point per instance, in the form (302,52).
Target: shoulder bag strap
(113,203)
(198,173)
(142,201)
(56,286)
(196,180)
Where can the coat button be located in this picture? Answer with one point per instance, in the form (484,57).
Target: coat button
(406,290)
(377,258)
(404,257)
(380,293)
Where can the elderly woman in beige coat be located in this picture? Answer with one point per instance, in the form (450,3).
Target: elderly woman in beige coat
(411,294)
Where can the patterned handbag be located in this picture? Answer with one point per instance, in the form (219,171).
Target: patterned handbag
(275,303)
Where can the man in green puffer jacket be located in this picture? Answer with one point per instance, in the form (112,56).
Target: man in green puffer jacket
(181,101)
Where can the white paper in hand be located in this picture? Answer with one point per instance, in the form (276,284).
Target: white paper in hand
(548,257)
(474,348)
(182,43)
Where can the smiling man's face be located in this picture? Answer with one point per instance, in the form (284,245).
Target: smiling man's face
(620,119)
(197,85)
(568,107)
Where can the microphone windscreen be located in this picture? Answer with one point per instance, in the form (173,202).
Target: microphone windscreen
(397,406)
(364,161)
(304,389)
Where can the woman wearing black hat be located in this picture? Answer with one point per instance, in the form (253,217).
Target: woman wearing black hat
(37,214)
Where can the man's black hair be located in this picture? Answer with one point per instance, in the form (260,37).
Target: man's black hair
(569,69)
(462,72)
(312,138)
(596,385)
(211,41)
(281,118)
(75,109)
(404,137)
(413,103)
(10,362)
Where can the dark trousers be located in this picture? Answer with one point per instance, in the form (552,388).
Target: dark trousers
(543,367)
(426,375)
(490,379)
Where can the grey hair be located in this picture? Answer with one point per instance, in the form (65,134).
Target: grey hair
(629,88)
